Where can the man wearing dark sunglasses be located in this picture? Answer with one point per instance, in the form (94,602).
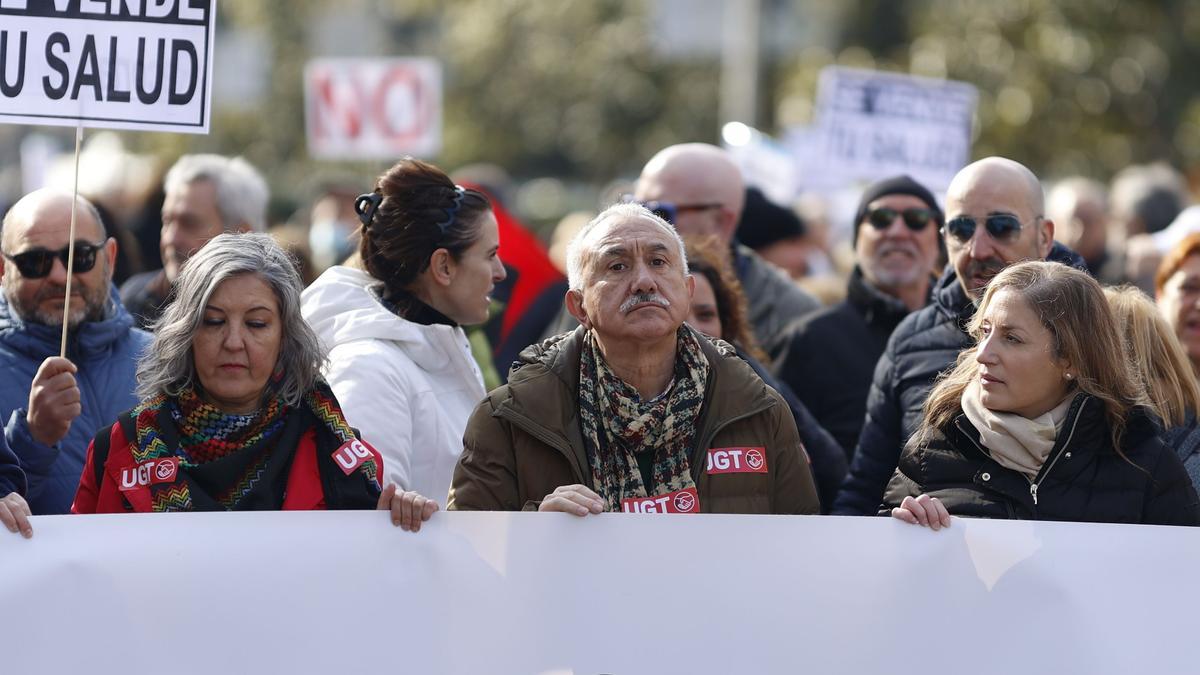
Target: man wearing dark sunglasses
(51,406)
(829,357)
(994,218)
(699,189)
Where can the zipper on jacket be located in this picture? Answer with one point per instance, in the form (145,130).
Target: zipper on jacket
(541,434)
(1037,480)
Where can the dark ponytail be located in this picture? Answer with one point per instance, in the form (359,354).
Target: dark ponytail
(415,210)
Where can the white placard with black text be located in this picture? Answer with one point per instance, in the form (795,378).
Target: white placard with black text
(871,125)
(115,64)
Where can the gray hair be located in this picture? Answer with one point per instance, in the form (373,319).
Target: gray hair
(1152,193)
(576,250)
(168,367)
(242,193)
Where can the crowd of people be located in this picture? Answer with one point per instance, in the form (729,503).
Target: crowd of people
(982,359)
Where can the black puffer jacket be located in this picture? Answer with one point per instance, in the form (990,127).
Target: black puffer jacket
(925,343)
(1083,478)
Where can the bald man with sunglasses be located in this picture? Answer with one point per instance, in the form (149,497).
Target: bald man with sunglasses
(994,218)
(51,406)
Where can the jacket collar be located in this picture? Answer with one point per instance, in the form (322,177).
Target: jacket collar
(875,305)
(560,356)
(1091,426)
(90,339)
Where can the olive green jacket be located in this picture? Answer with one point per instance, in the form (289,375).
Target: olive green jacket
(524,440)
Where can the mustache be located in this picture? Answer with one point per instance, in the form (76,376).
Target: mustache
(987,267)
(641,299)
(51,290)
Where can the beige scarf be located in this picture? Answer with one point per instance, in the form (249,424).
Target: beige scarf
(1015,442)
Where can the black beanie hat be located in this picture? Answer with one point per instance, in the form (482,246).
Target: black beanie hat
(764,222)
(896,185)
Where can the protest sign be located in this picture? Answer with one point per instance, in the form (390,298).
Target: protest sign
(871,125)
(373,108)
(340,592)
(118,64)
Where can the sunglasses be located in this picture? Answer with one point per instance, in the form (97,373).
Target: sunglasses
(916,219)
(669,211)
(1000,226)
(37,263)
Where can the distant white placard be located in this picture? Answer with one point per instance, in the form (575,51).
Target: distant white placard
(345,592)
(116,64)
(373,108)
(871,125)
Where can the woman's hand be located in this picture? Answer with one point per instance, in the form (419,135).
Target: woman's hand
(14,513)
(409,509)
(576,499)
(923,510)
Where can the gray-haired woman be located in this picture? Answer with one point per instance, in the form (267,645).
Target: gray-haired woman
(234,413)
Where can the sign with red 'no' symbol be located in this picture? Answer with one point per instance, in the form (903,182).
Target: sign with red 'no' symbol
(373,108)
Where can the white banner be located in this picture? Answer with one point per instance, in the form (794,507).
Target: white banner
(373,108)
(550,593)
(871,125)
(117,64)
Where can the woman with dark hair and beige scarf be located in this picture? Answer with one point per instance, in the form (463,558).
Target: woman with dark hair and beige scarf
(1044,419)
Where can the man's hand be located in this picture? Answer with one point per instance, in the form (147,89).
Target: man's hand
(924,510)
(576,499)
(409,509)
(53,401)
(14,514)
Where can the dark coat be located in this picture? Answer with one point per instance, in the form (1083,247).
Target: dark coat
(1083,479)
(1185,441)
(825,456)
(828,357)
(141,300)
(925,343)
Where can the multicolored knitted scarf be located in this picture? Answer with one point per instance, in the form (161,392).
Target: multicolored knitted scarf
(618,425)
(230,458)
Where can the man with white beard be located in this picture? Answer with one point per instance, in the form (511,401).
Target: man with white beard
(828,358)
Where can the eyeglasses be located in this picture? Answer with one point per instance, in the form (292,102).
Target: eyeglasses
(916,219)
(37,262)
(669,211)
(1002,227)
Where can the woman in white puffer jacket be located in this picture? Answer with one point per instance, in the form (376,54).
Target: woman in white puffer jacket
(399,361)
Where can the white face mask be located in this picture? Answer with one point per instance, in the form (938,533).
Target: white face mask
(331,241)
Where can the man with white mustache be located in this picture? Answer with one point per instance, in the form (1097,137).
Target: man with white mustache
(828,358)
(995,217)
(634,411)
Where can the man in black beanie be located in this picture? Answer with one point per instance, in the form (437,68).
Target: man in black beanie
(829,357)
(774,232)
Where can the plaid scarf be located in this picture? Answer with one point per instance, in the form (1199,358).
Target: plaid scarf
(618,425)
(229,462)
